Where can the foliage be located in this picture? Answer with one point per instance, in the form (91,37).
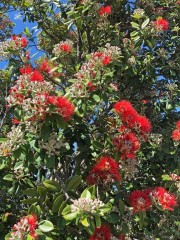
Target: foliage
(89,130)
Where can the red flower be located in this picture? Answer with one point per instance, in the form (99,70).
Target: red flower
(65,47)
(165,199)
(32,221)
(64,107)
(104,10)
(106,60)
(161,24)
(127,144)
(36,76)
(26,70)
(102,233)
(176,135)
(143,124)
(23,42)
(44,67)
(140,200)
(91,86)
(105,171)
(15,121)
(178,124)
(126,111)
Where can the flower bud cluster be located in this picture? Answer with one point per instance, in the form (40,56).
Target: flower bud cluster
(15,138)
(91,68)
(63,48)
(129,167)
(86,205)
(26,225)
(11,46)
(53,145)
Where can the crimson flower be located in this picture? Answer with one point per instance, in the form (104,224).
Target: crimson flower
(44,67)
(105,171)
(36,76)
(91,86)
(161,24)
(104,10)
(106,60)
(140,200)
(165,199)
(64,107)
(102,233)
(176,135)
(27,69)
(127,144)
(65,47)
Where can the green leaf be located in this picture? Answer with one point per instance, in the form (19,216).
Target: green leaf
(45,132)
(86,194)
(135,25)
(84,222)
(29,201)
(62,207)
(46,226)
(145,23)
(121,206)
(70,216)
(8,236)
(8,177)
(49,161)
(74,182)
(112,218)
(66,210)
(57,203)
(52,185)
(60,121)
(96,98)
(98,221)
(125,228)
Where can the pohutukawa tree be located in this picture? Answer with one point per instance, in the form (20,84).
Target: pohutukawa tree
(90,130)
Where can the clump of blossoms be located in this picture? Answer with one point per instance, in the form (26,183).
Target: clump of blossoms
(88,72)
(133,130)
(63,48)
(86,205)
(15,138)
(104,172)
(33,94)
(25,227)
(176,132)
(12,45)
(140,200)
(161,24)
(163,198)
(52,145)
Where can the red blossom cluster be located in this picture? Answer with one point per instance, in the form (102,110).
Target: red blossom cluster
(105,10)
(161,24)
(105,171)
(63,106)
(176,133)
(141,200)
(33,93)
(102,233)
(22,41)
(134,129)
(26,226)
(165,199)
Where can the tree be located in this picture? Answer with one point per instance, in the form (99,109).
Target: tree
(90,130)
